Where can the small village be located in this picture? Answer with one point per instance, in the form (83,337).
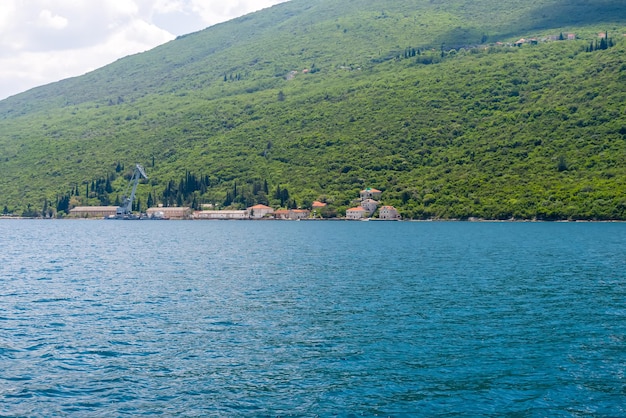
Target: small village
(368,207)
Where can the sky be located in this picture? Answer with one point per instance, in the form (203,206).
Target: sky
(42,41)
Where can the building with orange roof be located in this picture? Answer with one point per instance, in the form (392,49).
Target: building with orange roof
(370,193)
(388,213)
(259,211)
(356,213)
(298,214)
(318,208)
(93,211)
(175,212)
(281,214)
(370,205)
(292,214)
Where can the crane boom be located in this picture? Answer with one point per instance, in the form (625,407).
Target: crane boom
(126,208)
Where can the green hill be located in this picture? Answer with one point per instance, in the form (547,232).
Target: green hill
(427,101)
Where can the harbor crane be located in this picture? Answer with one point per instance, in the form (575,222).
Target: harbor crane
(125,210)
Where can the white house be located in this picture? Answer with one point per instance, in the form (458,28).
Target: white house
(370,205)
(292,214)
(388,213)
(356,213)
(370,193)
(299,213)
(170,212)
(259,211)
(221,214)
(93,211)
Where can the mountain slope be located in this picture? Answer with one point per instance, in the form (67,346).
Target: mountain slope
(297,33)
(537,131)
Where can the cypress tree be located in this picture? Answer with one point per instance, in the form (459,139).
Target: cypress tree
(284,197)
(228,200)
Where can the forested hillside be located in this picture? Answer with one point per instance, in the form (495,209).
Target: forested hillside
(429,101)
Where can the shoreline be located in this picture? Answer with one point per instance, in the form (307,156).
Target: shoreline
(471,220)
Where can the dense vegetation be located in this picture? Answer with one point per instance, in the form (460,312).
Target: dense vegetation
(425,100)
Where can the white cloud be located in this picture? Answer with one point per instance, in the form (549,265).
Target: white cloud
(47,19)
(42,41)
(168,6)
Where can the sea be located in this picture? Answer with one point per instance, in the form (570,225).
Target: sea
(312,318)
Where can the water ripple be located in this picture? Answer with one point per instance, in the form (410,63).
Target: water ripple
(312,318)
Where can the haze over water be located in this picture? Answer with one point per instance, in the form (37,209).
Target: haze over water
(219,318)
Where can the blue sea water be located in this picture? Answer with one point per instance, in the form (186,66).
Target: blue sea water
(238,318)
